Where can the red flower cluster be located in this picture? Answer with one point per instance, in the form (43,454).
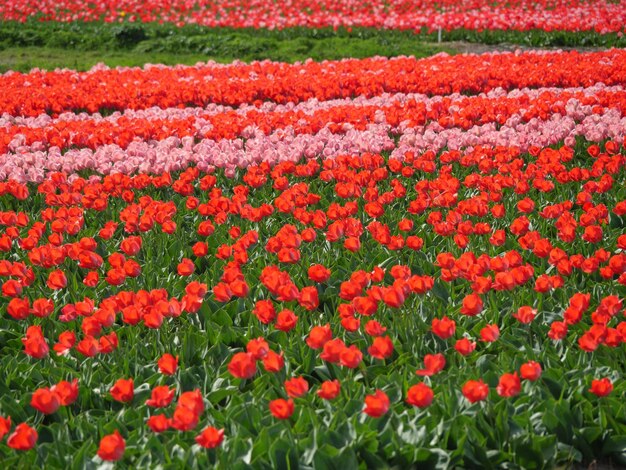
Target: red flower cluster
(312,285)
(463,112)
(480,15)
(237,84)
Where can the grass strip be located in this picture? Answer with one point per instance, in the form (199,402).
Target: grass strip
(81,45)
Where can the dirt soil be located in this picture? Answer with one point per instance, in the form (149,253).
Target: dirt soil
(464,47)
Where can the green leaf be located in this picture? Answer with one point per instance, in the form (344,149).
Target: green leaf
(283,455)
(441,291)
(331,458)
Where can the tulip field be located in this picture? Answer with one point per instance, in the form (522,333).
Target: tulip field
(379,262)
(602,16)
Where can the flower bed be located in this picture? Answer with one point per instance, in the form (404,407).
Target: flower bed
(375,261)
(602,16)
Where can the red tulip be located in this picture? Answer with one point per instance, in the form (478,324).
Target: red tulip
(464,346)
(186,267)
(264,311)
(601,387)
(350,357)
(434,364)
(42,308)
(67,339)
(131,245)
(472,305)
(45,401)
(242,365)
(308,298)
(381,348)
(286,320)
(475,390)
(11,288)
(525,314)
(531,371)
(296,387)
(67,392)
(34,343)
(167,364)
(112,447)
(88,346)
(509,385)
(184,419)
(5,426)
(329,390)
(377,404)
(443,328)
(558,330)
(23,438)
(281,408)
(318,273)
(420,395)
(193,401)
(318,336)
(273,362)
(490,333)
(158,423)
(161,396)
(123,390)
(210,437)
(258,348)
(57,280)
(374,328)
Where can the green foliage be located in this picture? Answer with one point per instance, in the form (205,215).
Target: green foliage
(127,35)
(537,38)
(553,422)
(27,58)
(81,45)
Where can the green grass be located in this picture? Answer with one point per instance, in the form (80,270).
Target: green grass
(26,58)
(81,45)
(23,59)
